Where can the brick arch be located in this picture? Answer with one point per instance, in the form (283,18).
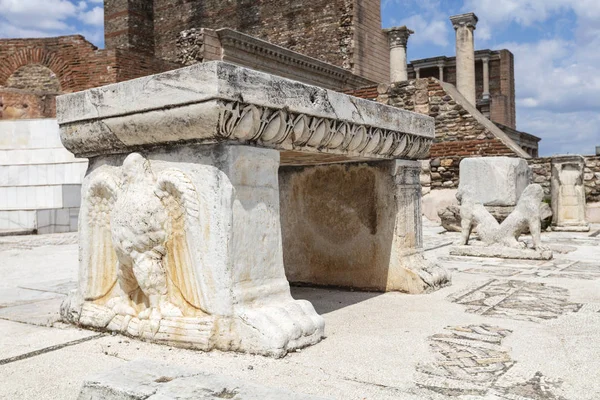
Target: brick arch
(43,57)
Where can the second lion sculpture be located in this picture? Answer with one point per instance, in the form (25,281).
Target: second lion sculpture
(527,215)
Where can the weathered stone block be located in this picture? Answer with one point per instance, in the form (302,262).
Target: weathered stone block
(495,181)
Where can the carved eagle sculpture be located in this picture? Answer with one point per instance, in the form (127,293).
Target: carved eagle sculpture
(137,225)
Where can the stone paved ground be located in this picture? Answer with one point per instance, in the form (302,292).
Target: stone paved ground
(505,329)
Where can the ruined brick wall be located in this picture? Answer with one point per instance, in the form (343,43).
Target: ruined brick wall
(34,78)
(20,104)
(344,33)
(67,57)
(129,25)
(308,28)
(458,134)
(131,65)
(69,64)
(542,173)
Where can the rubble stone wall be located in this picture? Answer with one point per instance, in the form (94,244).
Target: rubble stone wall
(542,172)
(458,134)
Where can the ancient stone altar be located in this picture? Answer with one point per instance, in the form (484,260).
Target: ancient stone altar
(180,233)
(568,194)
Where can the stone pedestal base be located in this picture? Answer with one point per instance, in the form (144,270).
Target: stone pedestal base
(500,252)
(183,247)
(574,228)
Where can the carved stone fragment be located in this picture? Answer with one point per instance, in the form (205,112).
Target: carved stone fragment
(568,194)
(527,215)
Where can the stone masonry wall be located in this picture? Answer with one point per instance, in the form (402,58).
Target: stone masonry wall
(371,50)
(34,77)
(457,133)
(344,33)
(542,172)
(310,29)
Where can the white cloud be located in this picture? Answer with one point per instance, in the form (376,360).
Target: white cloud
(428,20)
(35,14)
(93,17)
(427,31)
(573,133)
(42,18)
(558,77)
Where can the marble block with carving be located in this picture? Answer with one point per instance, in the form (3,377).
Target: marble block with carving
(180,232)
(568,194)
(501,240)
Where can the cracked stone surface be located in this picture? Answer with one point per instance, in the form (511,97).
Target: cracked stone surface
(531,334)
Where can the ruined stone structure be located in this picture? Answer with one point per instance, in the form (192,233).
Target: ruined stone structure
(461,130)
(499,103)
(398,40)
(542,174)
(354,42)
(568,194)
(201,45)
(181,223)
(464,25)
(40,180)
(34,71)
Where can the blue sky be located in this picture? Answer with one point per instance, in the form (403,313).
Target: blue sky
(556,44)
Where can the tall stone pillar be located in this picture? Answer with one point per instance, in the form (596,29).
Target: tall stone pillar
(486,78)
(441,71)
(464,25)
(129,24)
(397,39)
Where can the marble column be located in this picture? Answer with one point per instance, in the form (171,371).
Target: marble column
(486,78)
(397,39)
(441,71)
(418,73)
(464,25)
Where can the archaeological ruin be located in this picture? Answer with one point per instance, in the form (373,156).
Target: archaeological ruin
(189,243)
(471,96)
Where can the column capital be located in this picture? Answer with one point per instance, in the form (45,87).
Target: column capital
(485,60)
(398,36)
(468,20)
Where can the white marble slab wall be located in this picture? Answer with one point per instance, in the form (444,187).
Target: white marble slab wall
(40,180)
